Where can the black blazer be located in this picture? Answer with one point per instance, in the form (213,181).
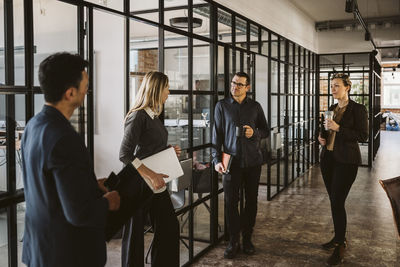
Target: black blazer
(353,129)
(65,211)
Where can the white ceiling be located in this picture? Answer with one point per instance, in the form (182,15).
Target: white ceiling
(323,10)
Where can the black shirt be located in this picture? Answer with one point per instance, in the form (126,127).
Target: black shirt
(229,114)
(143,137)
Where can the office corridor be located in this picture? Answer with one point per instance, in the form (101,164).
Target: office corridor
(290,229)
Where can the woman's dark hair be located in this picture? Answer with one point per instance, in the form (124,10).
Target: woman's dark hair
(344,77)
(245,75)
(59,72)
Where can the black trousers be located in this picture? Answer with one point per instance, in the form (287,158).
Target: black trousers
(165,250)
(338,178)
(245,222)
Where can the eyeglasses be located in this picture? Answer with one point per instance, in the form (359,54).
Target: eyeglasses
(238,84)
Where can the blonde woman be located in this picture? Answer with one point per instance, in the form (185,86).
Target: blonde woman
(144,135)
(340,158)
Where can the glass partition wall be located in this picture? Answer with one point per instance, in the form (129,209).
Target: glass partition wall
(199,45)
(364,72)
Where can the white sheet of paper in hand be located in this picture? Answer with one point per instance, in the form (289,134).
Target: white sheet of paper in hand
(165,162)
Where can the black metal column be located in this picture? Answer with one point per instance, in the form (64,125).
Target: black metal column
(10,131)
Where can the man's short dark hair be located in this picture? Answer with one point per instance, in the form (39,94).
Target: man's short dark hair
(58,72)
(245,75)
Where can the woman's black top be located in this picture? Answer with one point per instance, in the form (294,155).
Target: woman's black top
(353,129)
(143,136)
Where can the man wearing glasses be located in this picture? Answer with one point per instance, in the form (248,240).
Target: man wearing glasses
(239,124)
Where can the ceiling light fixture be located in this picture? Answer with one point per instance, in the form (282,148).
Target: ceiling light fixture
(183,22)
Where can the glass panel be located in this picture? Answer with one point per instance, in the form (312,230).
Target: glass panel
(178,16)
(224,26)
(201,10)
(296,54)
(59,19)
(290,52)
(238,65)
(282,109)
(201,67)
(283,51)
(19,49)
(301,56)
(20,230)
(3,236)
(262,82)
(331,62)
(176,111)
(38,102)
(274,179)
(143,54)
(274,46)
(357,61)
(201,226)
(221,209)
(3,162)
(254,38)
(274,76)
(241,31)
(290,80)
(183,220)
(2,40)
(176,61)
(145,9)
(221,70)
(108,35)
(20,126)
(201,119)
(274,111)
(117,5)
(265,42)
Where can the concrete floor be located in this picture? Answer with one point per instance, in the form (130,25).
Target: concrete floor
(290,228)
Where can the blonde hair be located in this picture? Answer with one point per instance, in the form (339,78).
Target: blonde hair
(344,77)
(150,93)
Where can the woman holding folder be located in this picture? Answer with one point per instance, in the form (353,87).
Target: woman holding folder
(145,135)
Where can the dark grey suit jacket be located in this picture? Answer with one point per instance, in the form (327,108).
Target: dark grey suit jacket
(65,211)
(353,129)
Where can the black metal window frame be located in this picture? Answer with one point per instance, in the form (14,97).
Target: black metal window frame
(372,69)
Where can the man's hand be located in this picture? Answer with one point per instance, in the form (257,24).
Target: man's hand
(248,131)
(321,140)
(100,182)
(113,200)
(219,168)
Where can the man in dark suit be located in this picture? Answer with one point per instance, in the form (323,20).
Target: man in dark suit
(239,124)
(65,210)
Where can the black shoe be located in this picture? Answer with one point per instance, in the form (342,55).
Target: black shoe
(337,256)
(248,247)
(332,244)
(232,249)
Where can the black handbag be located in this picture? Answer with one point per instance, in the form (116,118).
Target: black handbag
(392,189)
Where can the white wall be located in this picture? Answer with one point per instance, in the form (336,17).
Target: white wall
(280,16)
(353,41)
(109,92)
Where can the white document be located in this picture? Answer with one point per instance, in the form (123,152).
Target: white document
(165,162)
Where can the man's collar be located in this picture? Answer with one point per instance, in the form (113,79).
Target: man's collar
(232,100)
(150,112)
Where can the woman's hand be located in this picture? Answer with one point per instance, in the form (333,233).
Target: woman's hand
(321,140)
(178,150)
(157,180)
(332,125)
(101,185)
